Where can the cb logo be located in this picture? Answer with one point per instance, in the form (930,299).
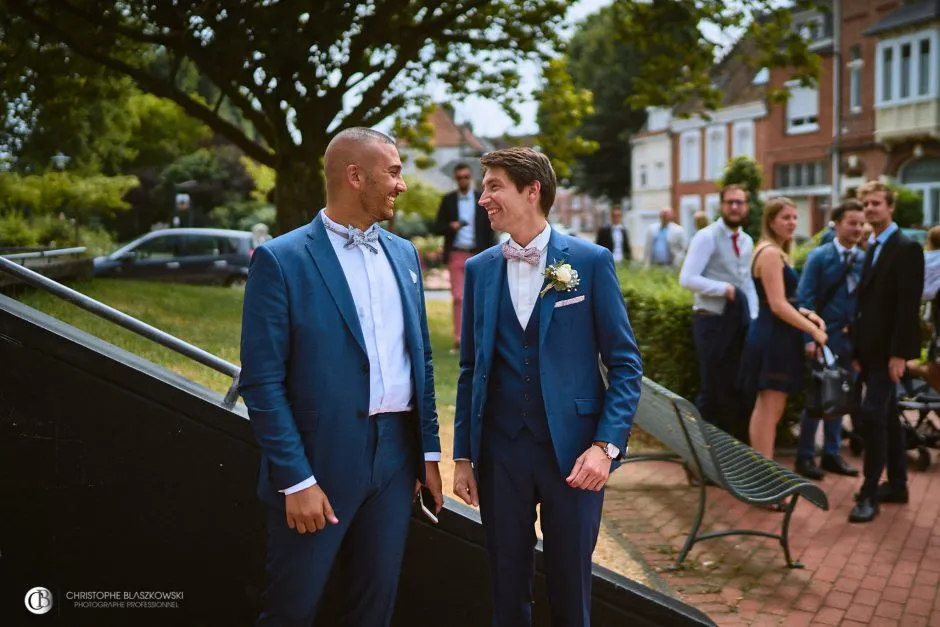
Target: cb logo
(39,600)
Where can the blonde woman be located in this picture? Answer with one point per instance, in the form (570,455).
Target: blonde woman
(773,365)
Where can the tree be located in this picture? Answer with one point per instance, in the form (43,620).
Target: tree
(562,109)
(297,71)
(747,173)
(78,196)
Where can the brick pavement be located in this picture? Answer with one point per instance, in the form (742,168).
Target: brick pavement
(880,574)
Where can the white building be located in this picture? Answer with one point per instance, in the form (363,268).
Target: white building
(651,165)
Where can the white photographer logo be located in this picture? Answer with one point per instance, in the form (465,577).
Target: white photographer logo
(39,600)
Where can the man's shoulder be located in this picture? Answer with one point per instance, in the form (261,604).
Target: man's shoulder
(820,251)
(395,240)
(290,241)
(484,255)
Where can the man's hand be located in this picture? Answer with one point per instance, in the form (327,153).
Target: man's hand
(309,510)
(896,367)
(433,483)
(729,292)
(465,484)
(455,226)
(590,471)
(811,349)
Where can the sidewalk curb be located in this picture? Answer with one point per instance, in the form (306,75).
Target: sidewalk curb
(656,581)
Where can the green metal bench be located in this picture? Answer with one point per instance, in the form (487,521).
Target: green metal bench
(709,453)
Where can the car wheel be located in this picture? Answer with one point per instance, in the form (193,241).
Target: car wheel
(236,282)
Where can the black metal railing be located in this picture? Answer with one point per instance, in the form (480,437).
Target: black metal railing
(128,322)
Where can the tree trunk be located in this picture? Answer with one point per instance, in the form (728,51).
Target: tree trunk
(299,193)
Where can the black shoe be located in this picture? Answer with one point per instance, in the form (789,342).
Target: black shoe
(887,493)
(807,467)
(865,511)
(835,463)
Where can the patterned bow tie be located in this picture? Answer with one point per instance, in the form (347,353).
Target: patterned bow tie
(528,255)
(355,237)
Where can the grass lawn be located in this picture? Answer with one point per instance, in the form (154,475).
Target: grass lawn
(210,318)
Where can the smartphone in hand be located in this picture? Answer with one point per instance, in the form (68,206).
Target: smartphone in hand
(428,513)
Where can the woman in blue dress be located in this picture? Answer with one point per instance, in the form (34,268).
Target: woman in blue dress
(773,364)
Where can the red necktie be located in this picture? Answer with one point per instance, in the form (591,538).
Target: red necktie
(734,242)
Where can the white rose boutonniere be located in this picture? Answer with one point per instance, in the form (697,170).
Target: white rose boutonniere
(561,277)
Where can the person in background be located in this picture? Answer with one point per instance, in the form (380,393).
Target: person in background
(830,233)
(885,335)
(772,366)
(717,271)
(931,370)
(700,219)
(615,237)
(665,242)
(466,230)
(829,286)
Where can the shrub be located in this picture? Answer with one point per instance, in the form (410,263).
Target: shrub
(15,231)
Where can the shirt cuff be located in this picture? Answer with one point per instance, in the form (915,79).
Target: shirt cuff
(432,457)
(303,485)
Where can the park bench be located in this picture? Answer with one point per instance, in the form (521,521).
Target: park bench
(710,454)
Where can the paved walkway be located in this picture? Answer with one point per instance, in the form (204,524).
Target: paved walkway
(880,574)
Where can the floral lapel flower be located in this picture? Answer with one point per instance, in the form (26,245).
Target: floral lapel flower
(561,276)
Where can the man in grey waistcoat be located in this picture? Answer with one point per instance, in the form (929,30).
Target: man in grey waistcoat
(717,269)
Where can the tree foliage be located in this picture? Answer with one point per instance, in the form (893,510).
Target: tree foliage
(74,195)
(562,109)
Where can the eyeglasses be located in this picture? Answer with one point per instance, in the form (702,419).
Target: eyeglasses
(735,203)
(463,177)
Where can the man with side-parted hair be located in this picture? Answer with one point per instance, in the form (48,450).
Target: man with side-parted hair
(534,423)
(885,335)
(717,270)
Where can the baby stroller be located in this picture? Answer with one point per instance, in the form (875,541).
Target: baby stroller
(922,435)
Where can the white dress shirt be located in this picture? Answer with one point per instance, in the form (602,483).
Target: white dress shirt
(466,212)
(379,308)
(616,233)
(700,251)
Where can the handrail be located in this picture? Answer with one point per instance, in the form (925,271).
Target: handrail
(128,322)
(55,252)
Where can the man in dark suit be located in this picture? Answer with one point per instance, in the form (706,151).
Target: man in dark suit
(341,402)
(829,286)
(886,334)
(534,423)
(615,237)
(466,230)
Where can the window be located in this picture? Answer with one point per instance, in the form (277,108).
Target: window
(802,110)
(659,174)
(743,139)
(717,154)
(801,175)
(163,247)
(202,246)
(855,79)
(644,179)
(907,68)
(690,156)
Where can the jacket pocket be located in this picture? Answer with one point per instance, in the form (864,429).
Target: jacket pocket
(588,406)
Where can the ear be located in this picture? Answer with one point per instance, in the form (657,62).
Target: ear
(535,190)
(354,175)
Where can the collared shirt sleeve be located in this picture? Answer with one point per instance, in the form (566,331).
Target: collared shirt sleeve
(690,277)
(303,485)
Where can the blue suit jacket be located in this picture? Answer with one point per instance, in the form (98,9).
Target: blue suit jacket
(824,266)
(578,407)
(305,370)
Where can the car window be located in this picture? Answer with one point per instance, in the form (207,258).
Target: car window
(202,246)
(163,247)
(232,245)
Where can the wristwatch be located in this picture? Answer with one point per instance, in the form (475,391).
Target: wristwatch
(611,451)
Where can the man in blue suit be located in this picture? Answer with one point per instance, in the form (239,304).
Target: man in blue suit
(534,423)
(337,378)
(829,286)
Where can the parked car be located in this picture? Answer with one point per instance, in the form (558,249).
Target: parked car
(201,256)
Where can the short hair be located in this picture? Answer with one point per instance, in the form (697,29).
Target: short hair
(461,166)
(524,166)
(849,204)
(730,188)
(363,135)
(933,238)
(872,187)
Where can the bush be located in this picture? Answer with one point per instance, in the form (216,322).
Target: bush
(53,232)
(243,214)
(410,225)
(15,231)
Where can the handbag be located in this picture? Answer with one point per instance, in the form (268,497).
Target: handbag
(830,394)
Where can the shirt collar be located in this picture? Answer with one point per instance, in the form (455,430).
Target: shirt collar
(881,239)
(727,229)
(467,196)
(332,223)
(540,241)
(842,249)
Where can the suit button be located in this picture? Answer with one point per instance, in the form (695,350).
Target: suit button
(526,361)
(361,414)
(528,379)
(484,377)
(525,345)
(525,414)
(526,396)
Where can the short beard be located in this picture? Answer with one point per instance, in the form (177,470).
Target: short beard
(732,225)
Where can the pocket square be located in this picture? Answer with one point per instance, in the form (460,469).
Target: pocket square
(569,301)
(414,277)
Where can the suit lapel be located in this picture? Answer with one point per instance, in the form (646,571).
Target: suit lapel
(495,275)
(557,252)
(324,257)
(408,291)
(887,251)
